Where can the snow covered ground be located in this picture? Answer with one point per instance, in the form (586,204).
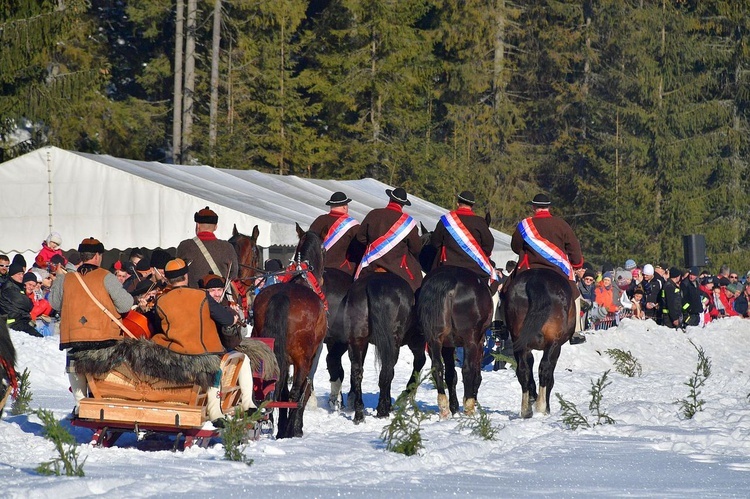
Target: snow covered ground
(651,451)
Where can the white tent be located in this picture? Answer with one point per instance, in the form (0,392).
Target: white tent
(127,203)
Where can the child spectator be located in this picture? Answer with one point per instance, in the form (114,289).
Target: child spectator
(50,248)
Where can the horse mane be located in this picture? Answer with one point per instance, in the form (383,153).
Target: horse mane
(310,250)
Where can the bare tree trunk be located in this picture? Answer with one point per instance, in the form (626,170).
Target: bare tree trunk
(499,55)
(177,111)
(214,105)
(187,109)
(281,93)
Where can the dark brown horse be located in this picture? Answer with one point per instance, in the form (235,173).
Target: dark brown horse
(294,314)
(454,309)
(540,313)
(8,378)
(378,310)
(250,266)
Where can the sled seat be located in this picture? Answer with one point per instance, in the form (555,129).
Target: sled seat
(122,396)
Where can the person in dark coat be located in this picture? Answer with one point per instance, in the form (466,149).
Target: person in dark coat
(339,231)
(15,303)
(672,300)
(392,241)
(692,304)
(463,239)
(223,258)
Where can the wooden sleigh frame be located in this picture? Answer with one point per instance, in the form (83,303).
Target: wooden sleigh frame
(122,401)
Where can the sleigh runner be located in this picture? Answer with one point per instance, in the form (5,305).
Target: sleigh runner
(122,400)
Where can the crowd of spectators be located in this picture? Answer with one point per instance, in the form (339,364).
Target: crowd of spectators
(668,295)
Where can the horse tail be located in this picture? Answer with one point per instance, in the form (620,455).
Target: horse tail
(7,351)
(435,297)
(277,318)
(379,315)
(540,302)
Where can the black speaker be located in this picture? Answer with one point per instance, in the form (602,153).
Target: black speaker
(694,247)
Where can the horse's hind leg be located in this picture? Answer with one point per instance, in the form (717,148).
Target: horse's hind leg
(357,352)
(472,374)
(451,378)
(547,378)
(438,376)
(385,381)
(336,350)
(524,373)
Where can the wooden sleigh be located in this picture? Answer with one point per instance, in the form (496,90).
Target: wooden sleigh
(121,401)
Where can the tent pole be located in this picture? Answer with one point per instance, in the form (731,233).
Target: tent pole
(49,190)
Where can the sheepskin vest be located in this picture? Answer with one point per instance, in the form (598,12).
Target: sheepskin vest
(82,321)
(186,323)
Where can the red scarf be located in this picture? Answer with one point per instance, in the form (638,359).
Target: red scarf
(206,236)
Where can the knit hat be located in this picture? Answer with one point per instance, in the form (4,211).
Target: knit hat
(694,271)
(398,195)
(589,273)
(608,275)
(211,281)
(648,269)
(57,260)
(55,237)
(674,272)
(338,199)
(41,274)
(734,287)
(15,268)
(206,216)
(623,275)
(635,272)
(20,260)
(630,264)
(467,197)
(91,245)
(29,277)
(175,268)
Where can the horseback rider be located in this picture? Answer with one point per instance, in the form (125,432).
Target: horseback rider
(339,230)
(546,241)
(392,241)
(205,252)
(463,239)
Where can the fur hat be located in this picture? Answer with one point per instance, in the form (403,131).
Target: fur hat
(398,195)
(338,199)
(175,268)
(541,201)
(211,281)
(674,272)
(54,237)
(648,269)
(91,245)
(143,265)
(467,197)
(159,258)
(206,216)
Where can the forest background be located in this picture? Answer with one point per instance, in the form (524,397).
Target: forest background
(632,114)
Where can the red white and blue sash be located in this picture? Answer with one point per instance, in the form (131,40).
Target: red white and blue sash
(545,248)
(468,243)
(387,241)
(340,227)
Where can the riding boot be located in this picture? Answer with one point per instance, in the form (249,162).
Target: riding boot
(578,337)
(503,343)
(245,380)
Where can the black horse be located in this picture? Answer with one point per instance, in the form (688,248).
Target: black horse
(378,310)
(8,378)
(540,313)
(454,309)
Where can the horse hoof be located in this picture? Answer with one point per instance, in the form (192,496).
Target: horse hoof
(382,415)
(334,405)
(469,407)
(359,418)
(526,414)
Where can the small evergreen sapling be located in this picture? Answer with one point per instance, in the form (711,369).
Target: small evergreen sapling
(574,419)
(403,434)
(22,403)
(480,424)
(625,363)
(65,444)
(693,403)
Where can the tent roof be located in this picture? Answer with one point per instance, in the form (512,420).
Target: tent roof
(129,203)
